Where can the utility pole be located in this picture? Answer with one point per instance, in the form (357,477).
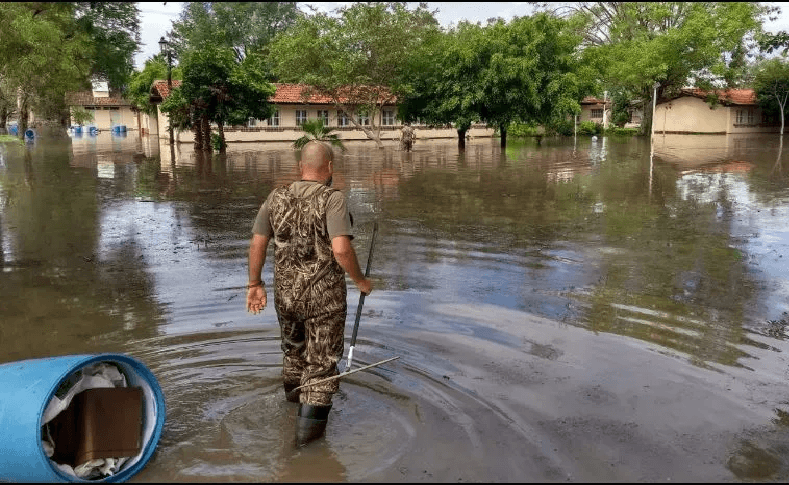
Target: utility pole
(164,46)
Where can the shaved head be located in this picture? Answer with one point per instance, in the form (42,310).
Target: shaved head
(315,161)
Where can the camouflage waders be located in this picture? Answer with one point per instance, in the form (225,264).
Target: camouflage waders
(407,138)
(309,292)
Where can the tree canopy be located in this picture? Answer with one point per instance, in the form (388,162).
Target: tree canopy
(218,89)
(635,44)
(245,27)
(113,29)
(355,57)
(139,90)
(524,70)
(771,84)
(50,48)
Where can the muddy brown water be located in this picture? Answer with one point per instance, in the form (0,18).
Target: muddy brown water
(574,311)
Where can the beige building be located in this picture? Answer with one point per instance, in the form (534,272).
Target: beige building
(108,111)
(593,109)
(737,112)
(293,106)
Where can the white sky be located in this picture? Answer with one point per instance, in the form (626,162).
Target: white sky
(157,17)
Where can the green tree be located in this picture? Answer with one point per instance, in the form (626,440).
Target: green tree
(139,90)
(50,48)
(114,32)
(43,55)
(635,44)
(7,101)
(221,90)
(315,130)
(245,27)
(524,70)
(437,86)
(354,58)
(771,84)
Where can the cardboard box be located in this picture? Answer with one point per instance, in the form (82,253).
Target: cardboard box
(99,423)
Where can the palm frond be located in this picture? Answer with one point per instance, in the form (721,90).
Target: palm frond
(316,130)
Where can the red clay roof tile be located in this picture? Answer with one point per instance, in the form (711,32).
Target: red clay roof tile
(727,96)
(161,87)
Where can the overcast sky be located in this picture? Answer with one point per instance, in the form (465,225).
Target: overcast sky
(157,17)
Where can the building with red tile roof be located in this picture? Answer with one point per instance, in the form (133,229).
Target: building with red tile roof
(721,111)
(296,103)
(108,109)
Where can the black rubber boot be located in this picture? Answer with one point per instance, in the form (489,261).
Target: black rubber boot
(290,394)
(310,423)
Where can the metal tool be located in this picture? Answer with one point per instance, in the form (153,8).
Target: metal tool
(361,300)
(346,373)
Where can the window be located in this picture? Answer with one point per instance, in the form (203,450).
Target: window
(301,116)
(597,113)
(750,116)
(740,118)
(342,119)
(323,115)
(252,122)
(364,119)
(387,117)
(274,120)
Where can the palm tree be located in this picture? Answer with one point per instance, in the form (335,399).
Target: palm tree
(315,130)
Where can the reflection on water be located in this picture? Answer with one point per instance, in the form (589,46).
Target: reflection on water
(512,283)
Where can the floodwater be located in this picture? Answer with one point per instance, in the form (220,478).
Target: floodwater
(572,311)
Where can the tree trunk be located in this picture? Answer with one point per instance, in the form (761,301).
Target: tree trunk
(649,116)
(222,143)
(367,131)
(206,133)
(198,132)
(503,130)
(462,139)
(23,118)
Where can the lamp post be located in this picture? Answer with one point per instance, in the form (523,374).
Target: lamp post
(652,138)
(654,99)
(164,47)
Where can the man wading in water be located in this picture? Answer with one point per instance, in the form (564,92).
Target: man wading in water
(311,227)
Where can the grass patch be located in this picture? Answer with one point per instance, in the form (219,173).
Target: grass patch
(10,139)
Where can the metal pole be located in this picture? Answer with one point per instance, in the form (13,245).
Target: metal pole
(338,376)
(361,299)
(170,90)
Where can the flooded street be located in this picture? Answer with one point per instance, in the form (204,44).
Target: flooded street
(586,311)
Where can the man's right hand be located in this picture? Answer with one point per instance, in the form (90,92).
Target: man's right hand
(365,286)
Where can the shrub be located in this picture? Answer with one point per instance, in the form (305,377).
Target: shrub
(216,142)
(589,128)
(522,129)
(623,131)
(561,127)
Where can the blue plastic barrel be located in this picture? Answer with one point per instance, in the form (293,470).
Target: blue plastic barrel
(30,134)
(13,130)
(27,388)
(78,129)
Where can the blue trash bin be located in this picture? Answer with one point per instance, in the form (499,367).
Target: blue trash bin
(28,387)
(78,129)
(13,130)
(30,134)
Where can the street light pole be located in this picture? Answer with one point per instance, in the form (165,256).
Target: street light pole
(654,99)
(164,46)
